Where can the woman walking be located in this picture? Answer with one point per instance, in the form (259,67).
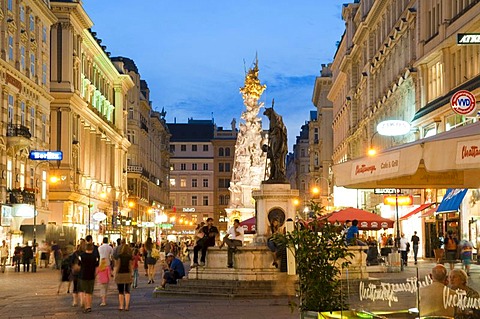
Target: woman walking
(103,278)
(123,276)
(150,260)
(75,270)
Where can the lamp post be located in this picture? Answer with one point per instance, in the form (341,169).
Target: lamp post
(92,182)
(316,189)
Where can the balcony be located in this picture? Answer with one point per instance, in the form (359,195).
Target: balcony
(18,196)
(137,169)
(18,135)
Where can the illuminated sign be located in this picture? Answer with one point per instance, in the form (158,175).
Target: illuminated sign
(99,216)
(404,200)
(468,38)
(393,128)
(463,102)
(189,210)
(386,191)
(46,155)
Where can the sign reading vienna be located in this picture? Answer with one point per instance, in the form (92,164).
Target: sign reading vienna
(463,102)
(46,155)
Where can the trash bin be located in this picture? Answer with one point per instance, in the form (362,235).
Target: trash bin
(394,262)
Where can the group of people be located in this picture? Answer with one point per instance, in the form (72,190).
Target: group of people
(90,264)
(433,300)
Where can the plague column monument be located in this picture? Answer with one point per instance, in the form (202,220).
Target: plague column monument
(250,160)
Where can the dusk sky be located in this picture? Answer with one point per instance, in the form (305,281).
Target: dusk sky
(193,53)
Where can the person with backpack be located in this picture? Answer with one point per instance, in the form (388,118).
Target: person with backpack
(451,247)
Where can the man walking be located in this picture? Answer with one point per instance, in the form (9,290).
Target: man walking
(233,239)
(3,255)
(415,240)
(210,233)
(403,250)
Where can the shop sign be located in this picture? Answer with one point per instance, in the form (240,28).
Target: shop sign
(463,103)
(393,128)
(404,200)
(188,210)
(386,191)
(468,152)
(376,166)
(46,155)
(468,38)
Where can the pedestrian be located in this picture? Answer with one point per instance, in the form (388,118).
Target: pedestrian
(65,271)
(210,233)
(451,246)
(151,259)
(27,256)
(103,278)
(86,278)
(3,255)
(415,241)
(466,252)
(105,250)
(44,254)
(172,270)
(431,296)
(403,248)
(96,254)
(233,239)
(123,277)
(458,279)
(136,258)
(75,272)
(17,257)
(57,255)
(144,258)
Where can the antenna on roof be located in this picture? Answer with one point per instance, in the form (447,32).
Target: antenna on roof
(244,66)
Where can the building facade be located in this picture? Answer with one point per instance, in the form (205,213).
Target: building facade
(89,126)
(191,174)
(148,158)
(223,163)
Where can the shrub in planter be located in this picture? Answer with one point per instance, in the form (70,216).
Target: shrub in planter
(320,253)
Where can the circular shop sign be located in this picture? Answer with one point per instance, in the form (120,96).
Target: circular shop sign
(463,102)
(393,128)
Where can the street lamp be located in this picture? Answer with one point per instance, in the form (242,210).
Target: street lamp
(53,180)
(103,195)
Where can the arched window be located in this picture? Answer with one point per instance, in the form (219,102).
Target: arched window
(220,151)
(227,151)
(227,199)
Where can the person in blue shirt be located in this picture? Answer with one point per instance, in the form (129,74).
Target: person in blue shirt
(173,270)
(352,235)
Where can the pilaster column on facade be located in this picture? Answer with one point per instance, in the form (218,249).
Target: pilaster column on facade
(422,86)
(447,62)
(119,118)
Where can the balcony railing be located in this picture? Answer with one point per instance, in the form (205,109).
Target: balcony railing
(18,196)
(14,130)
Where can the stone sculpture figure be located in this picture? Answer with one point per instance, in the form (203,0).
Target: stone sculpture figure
(277,146)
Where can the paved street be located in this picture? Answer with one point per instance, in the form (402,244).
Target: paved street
(34,295)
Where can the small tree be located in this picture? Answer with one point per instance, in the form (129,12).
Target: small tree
(318,248)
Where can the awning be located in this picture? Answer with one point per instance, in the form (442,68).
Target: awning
(452,200)
(416,210)
(429,212)
(446,160)
(249,225)
(366,220)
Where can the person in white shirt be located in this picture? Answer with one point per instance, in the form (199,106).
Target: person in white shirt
(233,239)
(403,249)
(105,250)
(3,255)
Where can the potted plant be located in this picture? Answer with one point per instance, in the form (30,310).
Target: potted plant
(320,254)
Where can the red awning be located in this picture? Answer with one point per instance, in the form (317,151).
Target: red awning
(366,220)
(429,212)
(249,225)
(416,210)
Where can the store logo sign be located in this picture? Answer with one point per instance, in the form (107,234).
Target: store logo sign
(468,38)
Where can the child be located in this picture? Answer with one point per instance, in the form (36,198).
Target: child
(65,273)
(136,258)
(103,277)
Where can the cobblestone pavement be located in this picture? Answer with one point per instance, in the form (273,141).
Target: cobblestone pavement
(34,295)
